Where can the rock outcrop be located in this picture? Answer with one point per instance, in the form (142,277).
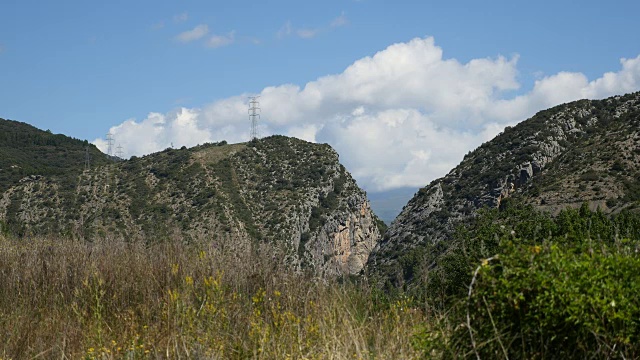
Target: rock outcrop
(585,151)
(343,244)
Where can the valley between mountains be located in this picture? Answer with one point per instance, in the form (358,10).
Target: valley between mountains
(269,249)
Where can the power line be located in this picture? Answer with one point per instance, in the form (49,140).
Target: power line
(254,116)
(119,152)
(110,142)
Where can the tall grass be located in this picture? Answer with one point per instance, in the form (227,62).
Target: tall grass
(62,298)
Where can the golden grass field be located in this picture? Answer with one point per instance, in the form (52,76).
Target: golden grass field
(70,299)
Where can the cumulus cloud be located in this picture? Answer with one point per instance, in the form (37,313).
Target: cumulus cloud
(217,41)
(401,117)
(158,131)
(399,147)
(196,33)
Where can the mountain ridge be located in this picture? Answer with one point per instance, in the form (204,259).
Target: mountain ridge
(542,161)
(279,190)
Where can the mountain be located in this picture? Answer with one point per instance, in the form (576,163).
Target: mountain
(26,150)
(581,152)
(288,193)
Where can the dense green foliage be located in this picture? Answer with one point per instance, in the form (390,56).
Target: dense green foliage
(26,150)
(545,287)
(559,300)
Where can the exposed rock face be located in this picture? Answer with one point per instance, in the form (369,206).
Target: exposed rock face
(343,246)
(281,191)
(561,157)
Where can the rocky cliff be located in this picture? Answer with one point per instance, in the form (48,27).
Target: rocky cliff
(585,151)
(281,191)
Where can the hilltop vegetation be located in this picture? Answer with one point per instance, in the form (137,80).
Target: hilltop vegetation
(26,150)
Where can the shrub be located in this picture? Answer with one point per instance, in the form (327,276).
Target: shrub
(617,166)
(553,300)
(556,287)
(590,176)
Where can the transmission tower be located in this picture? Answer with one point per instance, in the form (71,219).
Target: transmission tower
(254,116)
(119,152)
(110,142)
(87,158)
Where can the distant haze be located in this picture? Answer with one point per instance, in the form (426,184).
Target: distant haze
(388,204)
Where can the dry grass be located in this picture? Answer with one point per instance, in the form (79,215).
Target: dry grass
(213,154)
(61,298)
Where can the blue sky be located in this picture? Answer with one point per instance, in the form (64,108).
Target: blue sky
(79,67)
(429,79)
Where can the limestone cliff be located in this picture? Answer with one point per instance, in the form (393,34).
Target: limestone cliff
(585,151)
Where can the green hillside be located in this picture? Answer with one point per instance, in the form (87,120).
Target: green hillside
(26,150)
(284,191)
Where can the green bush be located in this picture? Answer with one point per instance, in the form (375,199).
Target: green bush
(553,300)
(556,287)
(590,176)
(617,166)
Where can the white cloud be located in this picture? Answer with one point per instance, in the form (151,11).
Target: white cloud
(217,41)
(339,21)
(196,33)
(182,17)
(399,147)
(305,132)
(567,86)
(401,117)
(307,33)
(157,131)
